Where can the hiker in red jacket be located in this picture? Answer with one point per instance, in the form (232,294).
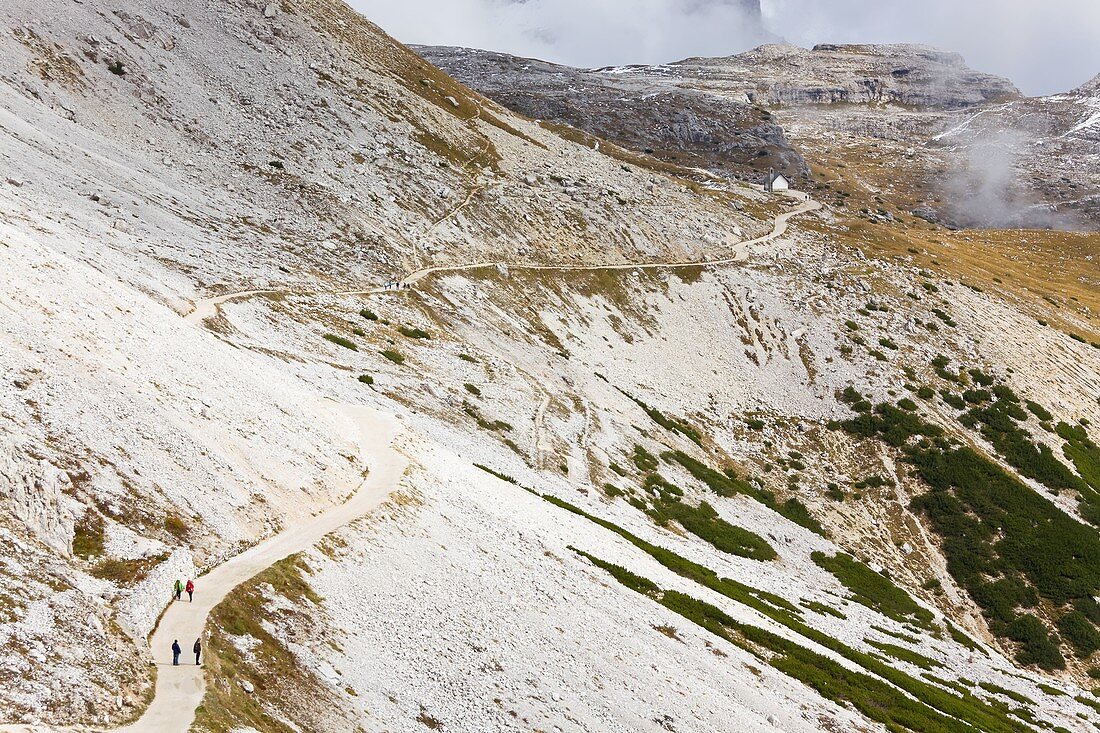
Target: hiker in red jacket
(190,591)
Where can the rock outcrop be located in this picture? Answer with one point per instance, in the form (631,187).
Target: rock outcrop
(782,75)
(31,489)
(677,124)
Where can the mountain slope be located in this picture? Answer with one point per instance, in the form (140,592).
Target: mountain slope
(631,421)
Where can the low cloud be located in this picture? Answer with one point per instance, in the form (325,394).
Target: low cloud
(986,191)
(1044,46)
(585,33)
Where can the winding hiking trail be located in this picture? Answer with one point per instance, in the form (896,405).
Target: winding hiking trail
(180,690)
(208,307)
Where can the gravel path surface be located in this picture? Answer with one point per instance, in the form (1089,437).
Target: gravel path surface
(208,307)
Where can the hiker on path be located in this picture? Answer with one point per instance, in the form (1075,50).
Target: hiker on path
(177,588)
(198,650)
(176,652)
(190,591)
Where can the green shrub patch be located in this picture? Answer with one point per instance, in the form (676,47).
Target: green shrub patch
(670,424)
(873,590)
(879,693)
(704,522)
(1008,546)
(341,341)
(413,333)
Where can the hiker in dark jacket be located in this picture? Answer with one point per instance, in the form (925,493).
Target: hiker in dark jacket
(198,650)
(176,652)
(177,588)
(190,591)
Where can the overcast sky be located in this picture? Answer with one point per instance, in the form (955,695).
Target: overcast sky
(1045,46)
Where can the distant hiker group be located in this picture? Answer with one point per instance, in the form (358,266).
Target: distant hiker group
(176,651)
(178,589)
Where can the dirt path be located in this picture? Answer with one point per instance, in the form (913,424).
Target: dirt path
(208,307)
(540,430)
(180,690)
(741,253)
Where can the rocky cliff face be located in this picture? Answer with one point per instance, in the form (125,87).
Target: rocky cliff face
(717,112)
(681,125)
(780,75)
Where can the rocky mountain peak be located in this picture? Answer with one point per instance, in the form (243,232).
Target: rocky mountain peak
(1090,88)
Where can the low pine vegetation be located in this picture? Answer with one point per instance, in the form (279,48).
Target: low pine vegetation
(670,424)
(1085,456)
(882,693)
(484,423)
(1030,567)
(874,590)
(498,474)
(413,333)
(704,522)
(341,341)
(904,654)
(729,484)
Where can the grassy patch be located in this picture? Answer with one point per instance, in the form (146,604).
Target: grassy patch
(472,389)
(413,333)
(270,666)
(341,341)
(176,526)
(88,536)
(670,424)
(395,356)
(873,590)
(127,572)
